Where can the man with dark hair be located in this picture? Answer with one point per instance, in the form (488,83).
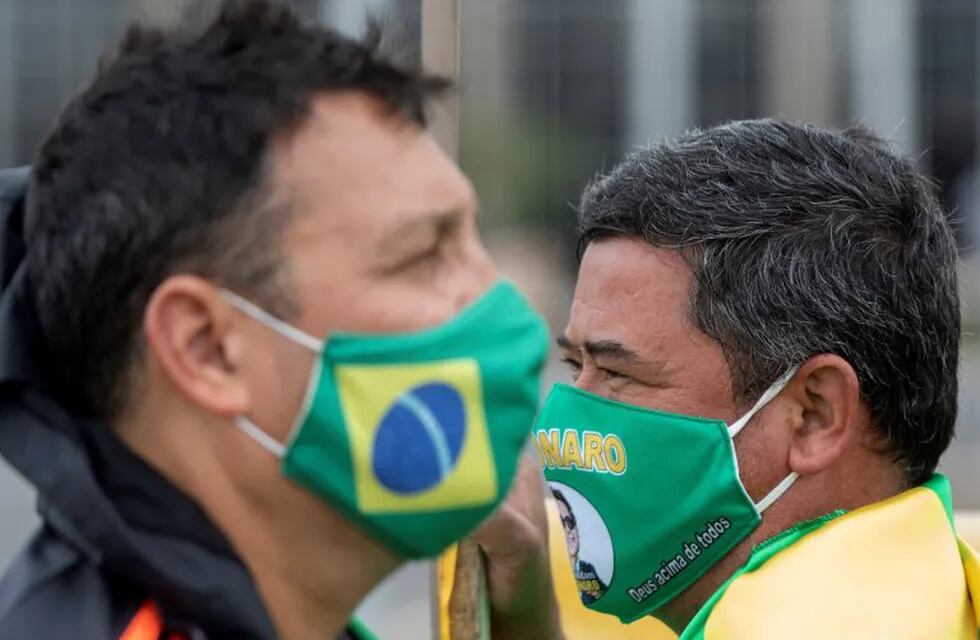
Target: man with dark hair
(773,308)
(590,585)
(213,204)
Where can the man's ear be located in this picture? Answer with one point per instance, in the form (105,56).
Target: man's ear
(829,395)
(192,335)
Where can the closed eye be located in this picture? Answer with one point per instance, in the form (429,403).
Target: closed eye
(574,366)
(423,257)
(612,375)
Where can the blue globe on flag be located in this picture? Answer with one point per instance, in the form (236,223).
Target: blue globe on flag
(419,438)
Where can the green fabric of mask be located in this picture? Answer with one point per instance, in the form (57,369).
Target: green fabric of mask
(415,436)
(649,500)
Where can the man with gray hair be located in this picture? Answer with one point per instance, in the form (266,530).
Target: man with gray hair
(767,318)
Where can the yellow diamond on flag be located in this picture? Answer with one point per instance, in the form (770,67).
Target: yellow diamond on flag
(418,436)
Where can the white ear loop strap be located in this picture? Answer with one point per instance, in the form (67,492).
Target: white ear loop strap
(262,438)
(282,328)
(766,398)
(777,492)
(289,332)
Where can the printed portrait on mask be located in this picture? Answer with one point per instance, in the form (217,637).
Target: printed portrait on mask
(587,539)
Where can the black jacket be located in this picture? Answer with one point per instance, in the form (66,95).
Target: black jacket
(114,534)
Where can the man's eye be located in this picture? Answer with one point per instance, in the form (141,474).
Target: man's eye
(611,375)
(574,367)
(424,259)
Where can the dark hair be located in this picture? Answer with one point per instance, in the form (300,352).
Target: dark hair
(560,497)
(804,241)
(159,166)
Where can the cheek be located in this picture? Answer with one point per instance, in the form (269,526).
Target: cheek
(278,391)
(706,399)
(763,455)
(404,305)
(277,385)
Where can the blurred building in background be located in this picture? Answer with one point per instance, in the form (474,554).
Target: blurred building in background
(580,83)
(554,91)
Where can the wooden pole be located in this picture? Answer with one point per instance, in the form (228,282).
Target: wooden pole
(468,609)
(468,617)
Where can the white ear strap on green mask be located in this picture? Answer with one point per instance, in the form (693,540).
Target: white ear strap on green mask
(287,331)
(261,438)
(284,329)
(777,492)
(766,398)
(733,429)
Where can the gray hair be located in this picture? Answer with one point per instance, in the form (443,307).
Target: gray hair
(805,241)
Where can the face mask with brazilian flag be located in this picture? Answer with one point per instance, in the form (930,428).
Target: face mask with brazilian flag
(415,436)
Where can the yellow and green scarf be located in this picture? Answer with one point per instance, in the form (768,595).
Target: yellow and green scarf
(893,570)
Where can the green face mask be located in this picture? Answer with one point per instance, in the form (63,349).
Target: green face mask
(416,436)
(649,501)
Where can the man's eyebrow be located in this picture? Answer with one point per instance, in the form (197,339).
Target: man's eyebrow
(610,349)
(565,343)
(422,223)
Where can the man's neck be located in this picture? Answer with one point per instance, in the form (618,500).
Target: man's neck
(311,566)
(811,500)
(312,576)
(678,613)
